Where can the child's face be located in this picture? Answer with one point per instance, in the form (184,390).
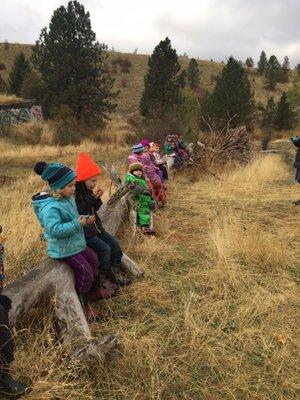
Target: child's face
(138,173)
(146,149)
(91,183)
(69,190)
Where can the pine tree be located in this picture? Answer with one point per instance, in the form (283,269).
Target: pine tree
(249,62)
(193,74)
(272,72)
(162,90)
(232,97)
(262,63)
(284,118)
(269,113)
(285,70)
(20,68)
(182,77)
(72,65)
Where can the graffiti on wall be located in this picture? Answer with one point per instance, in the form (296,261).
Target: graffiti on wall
(13,116)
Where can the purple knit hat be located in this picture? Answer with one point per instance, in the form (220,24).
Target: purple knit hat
(145,142)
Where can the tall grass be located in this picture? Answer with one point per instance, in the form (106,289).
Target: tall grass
(214,317)
(251,179)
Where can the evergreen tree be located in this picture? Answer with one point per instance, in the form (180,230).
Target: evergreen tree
(262,63)
(20,68)
(182,78)
(32,87)
(193,74)
(72,66)
(284,118)
(272,72)
(285,70)
(2,85)
(269,113)
(249,62)
(232,97)
(162,92)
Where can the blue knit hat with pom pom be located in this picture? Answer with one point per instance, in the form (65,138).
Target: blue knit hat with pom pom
(56,174)
(137,148)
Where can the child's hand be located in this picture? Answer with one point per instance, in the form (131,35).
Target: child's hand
(98,193)
(91,220)
(82,220)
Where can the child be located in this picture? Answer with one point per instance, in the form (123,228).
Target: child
(296,141)
(63,228)
(142,196)
(146,144)
(157,160)
(8,386)
(154,179)
(137,151)
(105,245)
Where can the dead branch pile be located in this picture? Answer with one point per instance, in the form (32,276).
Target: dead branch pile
(221,147)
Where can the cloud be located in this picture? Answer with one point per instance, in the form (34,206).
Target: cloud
(239,27)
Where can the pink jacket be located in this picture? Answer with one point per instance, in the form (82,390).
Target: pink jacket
(150,170)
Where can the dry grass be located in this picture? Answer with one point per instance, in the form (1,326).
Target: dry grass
(213,319)
(254,177)
(8,98)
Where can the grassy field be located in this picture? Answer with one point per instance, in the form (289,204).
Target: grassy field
(215,317)
(131,84)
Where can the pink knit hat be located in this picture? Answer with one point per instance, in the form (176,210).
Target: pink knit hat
(145,142)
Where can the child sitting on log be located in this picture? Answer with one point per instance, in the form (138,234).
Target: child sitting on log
(142,196)
(155,181)
(63,230)
(157,160)
(88,203)
(9,387)
(146,144)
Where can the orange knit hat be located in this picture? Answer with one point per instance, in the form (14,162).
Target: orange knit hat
(86,167)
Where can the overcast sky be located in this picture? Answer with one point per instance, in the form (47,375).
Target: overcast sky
(208,29)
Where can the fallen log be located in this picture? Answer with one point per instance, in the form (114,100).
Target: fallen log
(54,279)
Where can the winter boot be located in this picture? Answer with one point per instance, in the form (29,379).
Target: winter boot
(117,278)
(147,231)
(91,314)
(10,388)
(102,293)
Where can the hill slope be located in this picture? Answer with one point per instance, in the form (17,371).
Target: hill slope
(131,84)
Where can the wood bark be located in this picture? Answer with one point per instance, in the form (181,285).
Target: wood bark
(55,279)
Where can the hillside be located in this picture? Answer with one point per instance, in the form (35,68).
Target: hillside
(131,84)
(214,318)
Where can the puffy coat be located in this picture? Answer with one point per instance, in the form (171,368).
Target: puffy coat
(62,228)
(144,200)
(87,204)
(151,171)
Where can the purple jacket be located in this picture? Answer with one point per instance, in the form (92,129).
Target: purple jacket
(150,170)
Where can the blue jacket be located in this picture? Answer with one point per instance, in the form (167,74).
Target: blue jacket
(62,229)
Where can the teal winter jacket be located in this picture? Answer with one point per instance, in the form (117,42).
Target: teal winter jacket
(62,229)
